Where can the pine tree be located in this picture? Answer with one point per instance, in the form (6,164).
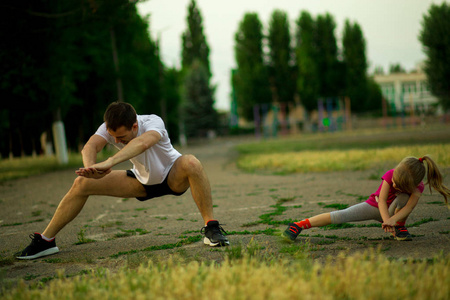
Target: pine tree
(308,82)
(200,116)
(354,52)
(281,59)
(436,45)
(195,46)
(199,113)
(251,79)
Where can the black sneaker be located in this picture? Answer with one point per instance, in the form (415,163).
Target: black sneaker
(402,234)
(292,231)
(38,248)
(214,234)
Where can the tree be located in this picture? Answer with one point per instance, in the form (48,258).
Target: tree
(436,45)
(195,46)
(57,57)
(281,58)
(328,67)
(354,53)
(396,68)
(378,70)
(308,83)
(200,116)
(199,100)
(251,78)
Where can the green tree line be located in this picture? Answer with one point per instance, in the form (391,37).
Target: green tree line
(66,60)
(307,62)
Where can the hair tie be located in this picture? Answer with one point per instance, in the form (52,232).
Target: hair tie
(421,159)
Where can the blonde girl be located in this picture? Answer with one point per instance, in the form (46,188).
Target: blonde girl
(391,204)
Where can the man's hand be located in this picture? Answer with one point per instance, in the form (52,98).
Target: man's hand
(96,171)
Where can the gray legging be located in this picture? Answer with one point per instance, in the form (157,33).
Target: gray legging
(364,211)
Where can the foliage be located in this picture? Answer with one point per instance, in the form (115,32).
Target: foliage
(57,60)
(396,68)
(251,80)
(354,52)
(172,98)
(308,74)
(199,114)
(281,58)
(436,45)
(195,47)
(329,68)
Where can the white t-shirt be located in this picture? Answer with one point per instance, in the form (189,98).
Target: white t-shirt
(153,165)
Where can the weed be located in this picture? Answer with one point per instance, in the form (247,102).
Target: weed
(325,242)
(338,206)
(82,238)
(130,232)
(36,213)
(423,221)
(21,223)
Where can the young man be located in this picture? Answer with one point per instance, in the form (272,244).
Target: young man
(158,170)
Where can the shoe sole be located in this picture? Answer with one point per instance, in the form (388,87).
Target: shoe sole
(208,242)
(47,252)
(403,239)
(400,238)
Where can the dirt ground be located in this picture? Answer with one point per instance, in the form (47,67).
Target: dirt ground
(115,225)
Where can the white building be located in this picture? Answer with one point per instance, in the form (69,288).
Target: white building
(406,90)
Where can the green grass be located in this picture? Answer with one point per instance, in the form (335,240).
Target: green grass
(252,272)
(343,152)
(28,166)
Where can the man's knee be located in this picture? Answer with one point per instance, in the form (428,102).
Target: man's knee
(191,164)
(79,184)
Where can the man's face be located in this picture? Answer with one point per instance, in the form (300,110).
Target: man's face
(124,135)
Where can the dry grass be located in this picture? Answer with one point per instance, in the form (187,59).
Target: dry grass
(360,276)
(339,160)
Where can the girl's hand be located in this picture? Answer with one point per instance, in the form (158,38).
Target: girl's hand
(388,228)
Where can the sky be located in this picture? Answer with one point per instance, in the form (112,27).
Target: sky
(390,29)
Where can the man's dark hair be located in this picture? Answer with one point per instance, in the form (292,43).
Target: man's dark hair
(119,114)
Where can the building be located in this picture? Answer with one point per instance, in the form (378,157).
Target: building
(404,91)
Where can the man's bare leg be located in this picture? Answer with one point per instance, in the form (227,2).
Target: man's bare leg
(186,172)
(117,184)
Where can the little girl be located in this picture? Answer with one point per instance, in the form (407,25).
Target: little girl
(391,204)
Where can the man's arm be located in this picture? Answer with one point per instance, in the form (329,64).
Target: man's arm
(89,152)
(135,147)
(94,145)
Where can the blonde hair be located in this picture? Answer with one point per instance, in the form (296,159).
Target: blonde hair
(411,171)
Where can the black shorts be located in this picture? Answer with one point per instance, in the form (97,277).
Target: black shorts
(155,190)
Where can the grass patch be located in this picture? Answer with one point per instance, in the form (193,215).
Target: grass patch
(185,241)
(28,166)
(344,151)
(338,206)
(21,223)
(130,232)
(82,239)
(252,272)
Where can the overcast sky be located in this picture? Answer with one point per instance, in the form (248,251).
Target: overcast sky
(390,28)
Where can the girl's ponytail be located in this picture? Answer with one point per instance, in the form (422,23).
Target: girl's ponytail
(434,178)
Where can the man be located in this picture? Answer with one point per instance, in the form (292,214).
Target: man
(158,170)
